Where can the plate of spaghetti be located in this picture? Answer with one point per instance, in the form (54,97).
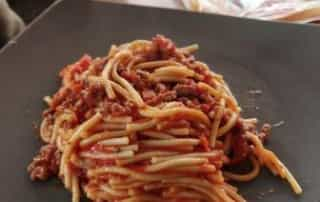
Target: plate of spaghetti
(150,122)
(115,103)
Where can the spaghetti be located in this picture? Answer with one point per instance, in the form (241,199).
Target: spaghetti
(149,123)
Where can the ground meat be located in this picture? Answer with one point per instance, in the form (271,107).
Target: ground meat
(186,90)
(59,97)
(45,164)
(79,108)
(116,109)
(119,108)
(67,95)
(168,50)
(70,72)
(240,149)
(208,106)
(205,97)
(137,80)
(192,103)
(166,96)
(78,98)
(93,95)
(166,47)
(160,87)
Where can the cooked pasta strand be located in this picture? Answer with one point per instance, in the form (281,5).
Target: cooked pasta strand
(189,113)
(99,155)
(101,136)
(157,135)
(154,64)
(145,156)
(216,123)
(175,163)
(170,142)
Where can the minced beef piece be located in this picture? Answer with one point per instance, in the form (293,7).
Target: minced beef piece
(186,90)
(166,47)
(168,50)
(240,149)
(166,96)
(46,163)
(136,79)
(160,87)
(116,109)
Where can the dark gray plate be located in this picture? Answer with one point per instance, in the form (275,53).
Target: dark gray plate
(282,60)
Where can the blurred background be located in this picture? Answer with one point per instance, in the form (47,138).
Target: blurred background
(29,9)
(16,14)
(10,22)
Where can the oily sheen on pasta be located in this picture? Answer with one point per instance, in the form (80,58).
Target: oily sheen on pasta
(148,122)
